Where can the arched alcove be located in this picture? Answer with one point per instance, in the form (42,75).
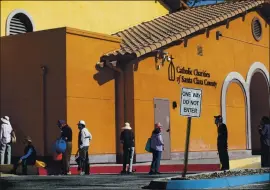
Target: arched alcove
(259,106)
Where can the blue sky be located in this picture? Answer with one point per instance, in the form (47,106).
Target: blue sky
(207,2)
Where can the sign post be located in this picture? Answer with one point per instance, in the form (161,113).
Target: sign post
(191,100)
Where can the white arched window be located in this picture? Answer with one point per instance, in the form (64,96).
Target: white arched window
(19,22)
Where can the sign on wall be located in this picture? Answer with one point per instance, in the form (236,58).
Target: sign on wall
(191,100)
(190,76)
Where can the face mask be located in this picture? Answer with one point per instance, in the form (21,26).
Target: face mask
(217,121)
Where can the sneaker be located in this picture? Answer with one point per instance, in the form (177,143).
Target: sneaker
(123,172)
(82,173)
(151,173)
(158,173)
(69,173)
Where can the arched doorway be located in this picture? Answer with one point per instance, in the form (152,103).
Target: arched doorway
(236,116)
(259,106)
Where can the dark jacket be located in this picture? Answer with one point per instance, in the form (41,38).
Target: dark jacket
(127,138)
(30,153)
(66,133)
(222,140)
(265,134)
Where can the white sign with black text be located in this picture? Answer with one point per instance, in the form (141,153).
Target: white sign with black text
(191,100)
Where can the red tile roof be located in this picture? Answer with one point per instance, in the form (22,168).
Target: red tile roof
(149,36)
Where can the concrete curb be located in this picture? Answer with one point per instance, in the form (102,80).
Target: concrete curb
(217,183)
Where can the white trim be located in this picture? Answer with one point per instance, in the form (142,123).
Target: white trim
(257,67)
(245,85)
(12,14)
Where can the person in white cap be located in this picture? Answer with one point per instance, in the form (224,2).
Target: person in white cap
(127,139)
(84,139)
(6,136)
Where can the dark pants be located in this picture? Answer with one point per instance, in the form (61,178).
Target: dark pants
(224,159)
(24,164)
(128,158)
(155,161)
(265,155)
(66,158)
(83,158)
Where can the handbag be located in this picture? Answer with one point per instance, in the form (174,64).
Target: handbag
(60,146)
(13,137)
(148,145)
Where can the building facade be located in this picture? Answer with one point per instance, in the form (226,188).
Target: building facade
(98,16)
(107,80)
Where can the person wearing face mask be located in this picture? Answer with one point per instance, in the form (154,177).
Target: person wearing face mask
(84,139)
(66,135)
(222,143)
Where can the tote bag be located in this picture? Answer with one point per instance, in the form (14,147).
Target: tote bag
(148,145)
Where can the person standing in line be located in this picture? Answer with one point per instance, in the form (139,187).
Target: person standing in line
(84,139)
(222,143)
(157,146)
(127,139)
(66,134)
(29,157)
(264,130)
(6,135)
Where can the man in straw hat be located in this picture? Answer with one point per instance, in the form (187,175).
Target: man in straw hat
(6,134)
(29,157)
(127,139)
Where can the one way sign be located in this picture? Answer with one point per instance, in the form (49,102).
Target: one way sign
(191,100)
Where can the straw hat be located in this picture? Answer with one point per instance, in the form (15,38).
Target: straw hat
(28,139)
(5,119)
(127,126)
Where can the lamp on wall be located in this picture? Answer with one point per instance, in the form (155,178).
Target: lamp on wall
(218,35)
(163,56)
(100,64)
(174,104)
(113,63)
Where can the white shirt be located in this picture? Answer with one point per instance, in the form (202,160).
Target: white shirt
(85,137)
(5,134)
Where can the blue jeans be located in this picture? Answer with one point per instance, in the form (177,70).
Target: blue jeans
(5,152)
(25,162)
(128,158)
(156,160)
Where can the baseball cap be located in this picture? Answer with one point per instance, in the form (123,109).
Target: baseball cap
(81,122)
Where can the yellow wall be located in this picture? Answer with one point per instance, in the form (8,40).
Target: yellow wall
(219,59)
(97,16)
(90,93)
(236,113)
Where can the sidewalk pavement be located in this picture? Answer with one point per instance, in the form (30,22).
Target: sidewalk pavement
(168,166)
(6,175)
(253,162)
(172,166)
